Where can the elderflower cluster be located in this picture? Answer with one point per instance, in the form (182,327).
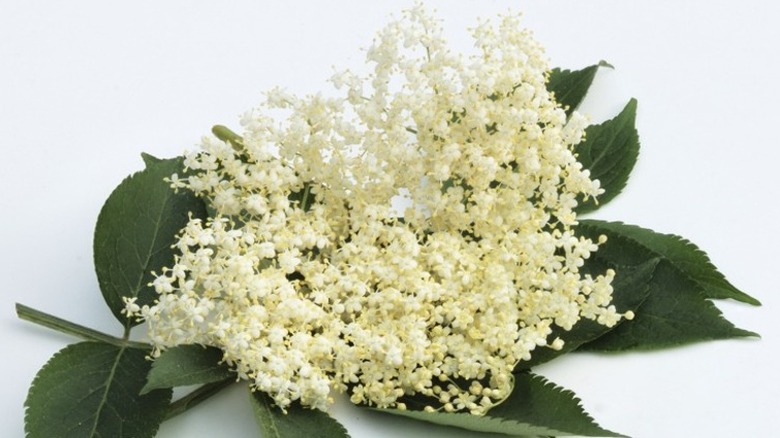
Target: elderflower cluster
(311,278)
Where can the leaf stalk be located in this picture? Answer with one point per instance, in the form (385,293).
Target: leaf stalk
(196,397)
(70,328)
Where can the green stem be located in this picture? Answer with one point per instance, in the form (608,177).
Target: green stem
(225,134)
(180,406)
(305,197)
(70,328)
(196,397)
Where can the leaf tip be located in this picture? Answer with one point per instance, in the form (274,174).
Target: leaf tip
(147,388)
(631,105)
(603,63)
(149,159)
(747,299)
(748,334)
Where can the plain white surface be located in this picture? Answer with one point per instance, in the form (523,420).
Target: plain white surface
(86,86)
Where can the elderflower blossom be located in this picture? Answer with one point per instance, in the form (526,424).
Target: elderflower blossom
(310,280)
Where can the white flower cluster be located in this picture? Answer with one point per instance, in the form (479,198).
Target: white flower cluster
(310,280)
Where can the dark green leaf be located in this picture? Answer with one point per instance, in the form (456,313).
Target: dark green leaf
(150,160)
(535,399)
(297,422)
(684,255)
(571,86)
(609,151)
(675,312)
(631,288)
(92,390)
(135,231)
(535,407)
(186,365)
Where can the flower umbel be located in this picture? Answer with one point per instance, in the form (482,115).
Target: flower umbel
(310,277)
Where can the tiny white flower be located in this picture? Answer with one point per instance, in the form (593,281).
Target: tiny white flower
(310,277)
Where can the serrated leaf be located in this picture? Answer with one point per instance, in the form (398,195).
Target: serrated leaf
(571,86)
(91,390)
(149,160)
(631,287)
(186,365)
(684,255)
(609,152)
(536,399)
(134,233)
(675,312)
(535,407)
(486,424)
(296,422)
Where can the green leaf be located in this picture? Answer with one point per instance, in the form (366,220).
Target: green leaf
(674,314)
(536,399)
(186,365)
(135,231)
(631,287)
(609,151)
(150,160)
(571,86)
(296,422)
(535,407)
(684,255)
(92,390)
(676,311)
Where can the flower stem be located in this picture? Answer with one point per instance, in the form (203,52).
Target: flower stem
(228,136)
(70,328)
(305,197)
(196,397)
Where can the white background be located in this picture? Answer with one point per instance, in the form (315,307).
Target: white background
(86,86)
